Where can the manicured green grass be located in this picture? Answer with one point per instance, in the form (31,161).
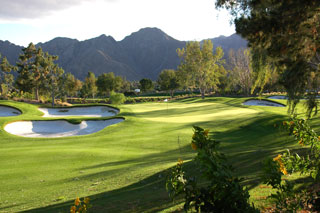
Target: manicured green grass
(123,167)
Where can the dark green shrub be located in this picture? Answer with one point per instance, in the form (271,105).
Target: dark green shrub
(222,193)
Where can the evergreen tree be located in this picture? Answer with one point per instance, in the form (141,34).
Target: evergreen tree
(53,74)
(30,72)
(6,79)
(283,33)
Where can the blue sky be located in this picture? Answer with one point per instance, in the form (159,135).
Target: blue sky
(22,22)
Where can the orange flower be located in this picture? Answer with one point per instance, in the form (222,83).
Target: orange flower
(301,142)
(73,209)
(277,158)
(77,201)
(194,146)
(291,122)
(283,170)
(282,167)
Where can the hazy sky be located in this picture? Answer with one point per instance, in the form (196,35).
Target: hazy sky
(25,21)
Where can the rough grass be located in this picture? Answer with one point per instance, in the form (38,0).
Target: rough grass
(123,167)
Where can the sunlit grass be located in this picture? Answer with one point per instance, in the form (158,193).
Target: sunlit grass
(123,167)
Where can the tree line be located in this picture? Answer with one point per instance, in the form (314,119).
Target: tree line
(37,73)
(202,69)
(205,70)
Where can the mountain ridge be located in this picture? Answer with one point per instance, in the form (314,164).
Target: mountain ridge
(142,54)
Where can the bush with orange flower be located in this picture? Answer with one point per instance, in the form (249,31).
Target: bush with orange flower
(287,198)
(222,191)
(80,206)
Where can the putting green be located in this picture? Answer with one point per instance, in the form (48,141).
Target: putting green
(123,167)
(191,116)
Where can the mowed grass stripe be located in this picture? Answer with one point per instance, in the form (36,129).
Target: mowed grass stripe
(123,166)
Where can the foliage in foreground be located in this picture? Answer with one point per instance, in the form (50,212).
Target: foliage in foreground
(80,206)
(287,196)
(222,193)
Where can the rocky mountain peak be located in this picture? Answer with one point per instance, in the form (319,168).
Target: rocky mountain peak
(143,54)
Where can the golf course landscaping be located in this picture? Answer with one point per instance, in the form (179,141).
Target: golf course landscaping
(90,111)
(123,167)
(63,128)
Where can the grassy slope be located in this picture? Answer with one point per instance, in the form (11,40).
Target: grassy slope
(123,167)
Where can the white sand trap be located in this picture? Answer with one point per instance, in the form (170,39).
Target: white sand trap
(6,111)
(61,128)
(278,97)
(262,103)
(90,111)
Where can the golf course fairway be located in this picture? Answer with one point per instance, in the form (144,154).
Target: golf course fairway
(123,167)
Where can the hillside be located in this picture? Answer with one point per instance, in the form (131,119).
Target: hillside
(231,42)
(142,54)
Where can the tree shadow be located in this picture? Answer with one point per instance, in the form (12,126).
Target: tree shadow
(246,147)
(147,195)
(127,199)
(3,208)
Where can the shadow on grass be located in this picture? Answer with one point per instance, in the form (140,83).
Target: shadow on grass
(245,146)
(147,195)
(3,208)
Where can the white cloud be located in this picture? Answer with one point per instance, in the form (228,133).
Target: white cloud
(32,9)
(84,19)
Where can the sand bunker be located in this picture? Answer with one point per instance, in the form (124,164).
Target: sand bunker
(90,111)
(6,111)
(279,97)
(262,103)
(58,128)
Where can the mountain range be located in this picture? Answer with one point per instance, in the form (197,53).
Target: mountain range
(143,54)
